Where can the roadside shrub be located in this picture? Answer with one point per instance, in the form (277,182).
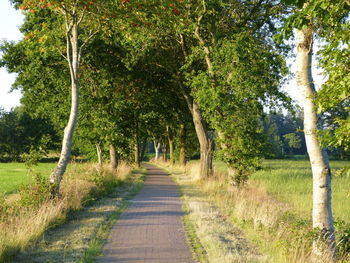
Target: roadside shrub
(105,181)
(35,193)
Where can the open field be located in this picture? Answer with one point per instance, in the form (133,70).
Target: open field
(290,181)
(14,175)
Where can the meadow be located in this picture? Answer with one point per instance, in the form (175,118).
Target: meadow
(15,175)
(290,181)
(273,209)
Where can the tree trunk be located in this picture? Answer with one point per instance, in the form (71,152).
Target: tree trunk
(171,151)
(73,57)
(99,154)
(182,144)
(322,218)
(137,152)
(171,144)
(113,157)
(143,150)
(165,152)
(205,142)
(156,149)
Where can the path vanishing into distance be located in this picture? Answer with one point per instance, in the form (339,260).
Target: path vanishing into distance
(151,230)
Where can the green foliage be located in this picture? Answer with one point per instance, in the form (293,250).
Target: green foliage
(105,182)
(37,192)
(20,134)
(293,140)
(283,135)
(342,230)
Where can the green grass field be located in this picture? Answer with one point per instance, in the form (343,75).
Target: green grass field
(14,175)
(290,181)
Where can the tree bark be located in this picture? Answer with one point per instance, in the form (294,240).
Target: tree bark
(73,57)
(143,149)
(156,149)
(113,157)
(205,142)
(183,150)
(165,152)
(322,217)
(171,145)
(137,151)
(171,151)
(99,154)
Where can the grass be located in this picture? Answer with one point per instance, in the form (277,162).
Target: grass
(212,238)
(290,181)
(265,210)
(23,226)
(15,175)
(96,243)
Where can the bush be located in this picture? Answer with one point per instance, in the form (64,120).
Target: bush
(35,193)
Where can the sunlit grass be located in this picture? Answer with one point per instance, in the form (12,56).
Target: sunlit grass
(14,175)
(291,181)
(22,224)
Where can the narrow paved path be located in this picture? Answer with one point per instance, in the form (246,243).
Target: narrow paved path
(151,229)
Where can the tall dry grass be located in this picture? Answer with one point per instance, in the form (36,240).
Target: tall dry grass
(272,225)
(22,223)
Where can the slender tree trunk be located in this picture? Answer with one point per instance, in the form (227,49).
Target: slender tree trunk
(165,151)
(137,151)
(73,57)
(99,154)
(171,144)
(322,218)
(156,149)
(143,150)
(171,151)
(183,149)
(113,157)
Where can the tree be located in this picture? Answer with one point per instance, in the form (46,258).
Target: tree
(293,140)
(20,133)
(73,12)
(322,217)
(234,69)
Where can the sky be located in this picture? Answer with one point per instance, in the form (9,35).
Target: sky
(10,21)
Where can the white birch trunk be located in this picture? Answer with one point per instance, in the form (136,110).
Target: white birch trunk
(99,154)
(73,57)
(156,149)
(322,218)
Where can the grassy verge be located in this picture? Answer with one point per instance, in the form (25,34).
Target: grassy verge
(271,223)
(96,244)
(29,222)
(212,237)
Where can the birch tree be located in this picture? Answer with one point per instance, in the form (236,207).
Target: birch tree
(73,13)
(322,217)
